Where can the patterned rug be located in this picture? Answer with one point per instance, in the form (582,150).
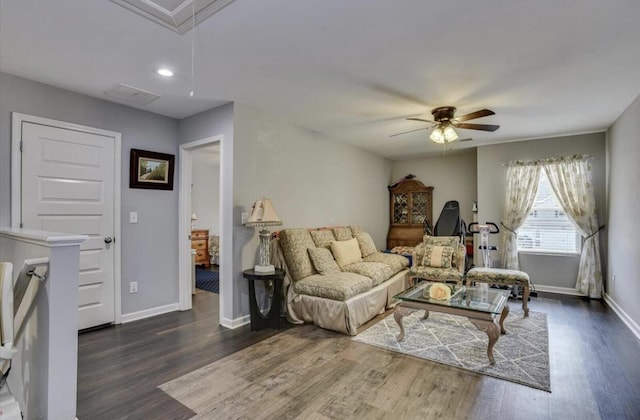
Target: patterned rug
(522,355)
(207,280)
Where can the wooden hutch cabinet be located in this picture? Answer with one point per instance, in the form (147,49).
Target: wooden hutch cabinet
(411,204)
(200,242)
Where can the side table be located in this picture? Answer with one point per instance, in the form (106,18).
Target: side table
(272,318)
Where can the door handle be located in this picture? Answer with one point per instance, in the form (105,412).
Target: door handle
(108,240)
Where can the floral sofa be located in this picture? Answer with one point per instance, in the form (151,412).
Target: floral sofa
(335,277)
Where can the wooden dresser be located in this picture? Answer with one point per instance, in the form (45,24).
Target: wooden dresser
(410,206)
(200,242)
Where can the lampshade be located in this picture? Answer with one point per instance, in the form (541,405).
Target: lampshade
(263,214)
(437,136)
(450,134)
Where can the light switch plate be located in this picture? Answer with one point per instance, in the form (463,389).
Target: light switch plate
(133,217)
(245,216)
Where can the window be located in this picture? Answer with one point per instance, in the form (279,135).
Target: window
(547,228)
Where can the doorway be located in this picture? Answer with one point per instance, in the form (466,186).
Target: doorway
(225,222)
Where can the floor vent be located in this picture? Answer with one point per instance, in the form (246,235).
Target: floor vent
(132,95)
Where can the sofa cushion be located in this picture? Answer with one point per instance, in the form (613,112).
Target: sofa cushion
(342,233)
(378,272)
(356,230)
(323,261)
(338,286)
(346,252)
(396,262)
(367,246)
(438,274)
(294,243)
(322,237)
(437,256)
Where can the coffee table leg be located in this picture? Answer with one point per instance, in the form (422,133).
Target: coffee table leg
(503,316)
(400,313)
(493,332)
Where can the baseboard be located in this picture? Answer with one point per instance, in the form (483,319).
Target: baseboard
(560,290)
(158,310)
(236,322)
(633,326)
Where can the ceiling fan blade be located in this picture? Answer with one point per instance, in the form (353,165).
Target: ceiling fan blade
(421,119)
(474,115)
(410,131)
(483,127)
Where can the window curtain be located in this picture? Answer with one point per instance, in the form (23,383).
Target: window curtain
(571,180)
(522,187)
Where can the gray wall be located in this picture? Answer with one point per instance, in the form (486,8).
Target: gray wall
(623,148)
(453,177)
(148,249)
(556,271)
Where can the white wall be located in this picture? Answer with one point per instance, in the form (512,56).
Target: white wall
(543,269)
(453,177)
(205,192)
(623,149)
(154,267)
(312,181)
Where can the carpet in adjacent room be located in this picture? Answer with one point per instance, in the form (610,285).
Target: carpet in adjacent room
(207,280)
(522,355)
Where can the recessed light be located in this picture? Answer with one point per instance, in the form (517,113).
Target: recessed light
(165,72)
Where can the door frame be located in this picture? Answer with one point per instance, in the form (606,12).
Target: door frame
(17,121)
(225,222)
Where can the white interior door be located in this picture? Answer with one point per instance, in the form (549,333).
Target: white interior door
(68,186)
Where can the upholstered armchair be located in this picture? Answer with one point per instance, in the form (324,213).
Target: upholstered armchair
(438,258)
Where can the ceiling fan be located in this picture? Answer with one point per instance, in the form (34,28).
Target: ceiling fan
(444,121)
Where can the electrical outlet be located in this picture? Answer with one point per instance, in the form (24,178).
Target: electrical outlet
(133,217)
(133,287)
(613,279)
(245,216)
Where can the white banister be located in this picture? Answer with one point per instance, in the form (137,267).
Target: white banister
(44,371)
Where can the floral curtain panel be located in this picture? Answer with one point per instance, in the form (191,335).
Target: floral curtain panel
(522,187)
(571,181)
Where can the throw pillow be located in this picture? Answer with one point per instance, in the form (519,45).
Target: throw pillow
(437,256)
(367,246)
(452,241)
(346,252)
(323,261)
(342,233)
(322,238)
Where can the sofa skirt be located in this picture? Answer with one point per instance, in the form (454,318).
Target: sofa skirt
(345,316)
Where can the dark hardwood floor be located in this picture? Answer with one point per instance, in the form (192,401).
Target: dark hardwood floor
(595,366)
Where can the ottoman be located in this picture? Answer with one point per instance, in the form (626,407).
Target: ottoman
(502,277)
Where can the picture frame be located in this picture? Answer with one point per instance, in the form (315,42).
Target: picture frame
(151,170)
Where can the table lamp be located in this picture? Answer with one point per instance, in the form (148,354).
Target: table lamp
(263,215)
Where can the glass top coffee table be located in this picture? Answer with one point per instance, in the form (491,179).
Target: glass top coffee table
(485,308)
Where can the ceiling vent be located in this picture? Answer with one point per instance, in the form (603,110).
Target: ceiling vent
(132,95)
(176,15)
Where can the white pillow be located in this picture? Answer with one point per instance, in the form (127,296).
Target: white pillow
(346,252)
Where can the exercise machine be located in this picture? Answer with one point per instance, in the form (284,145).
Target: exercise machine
(484,230)
(16,302)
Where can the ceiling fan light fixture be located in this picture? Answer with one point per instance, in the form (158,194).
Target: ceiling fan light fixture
(449,134)
(437,135)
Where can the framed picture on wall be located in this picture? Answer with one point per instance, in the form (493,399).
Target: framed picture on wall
(151,170)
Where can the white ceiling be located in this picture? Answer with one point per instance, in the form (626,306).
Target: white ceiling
(352,70)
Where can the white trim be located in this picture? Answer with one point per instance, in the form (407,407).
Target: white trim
(629,322)
(235,323)
(17,120)
(42,238)
(148,313)
(559,290)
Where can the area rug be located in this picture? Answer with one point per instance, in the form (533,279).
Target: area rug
(207,280)
(522,355)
